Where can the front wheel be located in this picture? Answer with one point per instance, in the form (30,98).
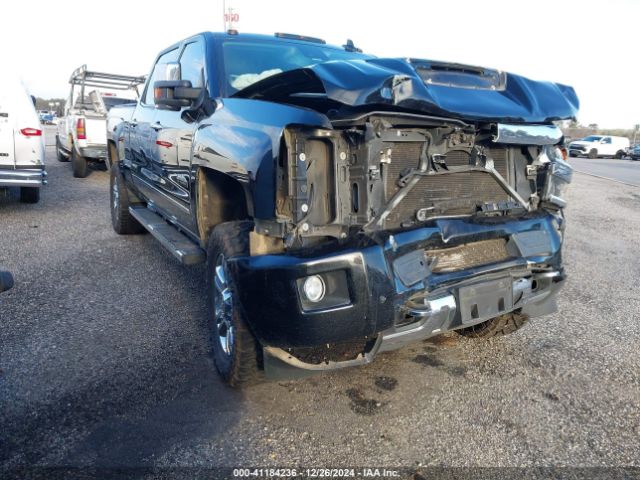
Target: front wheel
(29,194)
(59,155)
(121,218)
(593,153)
(498,326)
(79,164)
(235,350)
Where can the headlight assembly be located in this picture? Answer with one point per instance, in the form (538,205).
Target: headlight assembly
(559,175)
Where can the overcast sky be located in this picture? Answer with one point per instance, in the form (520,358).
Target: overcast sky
(590,45)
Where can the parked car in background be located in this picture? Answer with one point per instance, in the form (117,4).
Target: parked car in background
(81,135)
(595,146)
(21,141)
(634,152)
(47,118)
(345,205)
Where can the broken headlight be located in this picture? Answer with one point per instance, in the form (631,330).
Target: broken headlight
(559,175)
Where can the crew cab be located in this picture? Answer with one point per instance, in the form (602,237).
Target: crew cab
(81,134)
(21,142)
(595,146)
(345,205)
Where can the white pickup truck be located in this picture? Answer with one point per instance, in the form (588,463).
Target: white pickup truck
(21,142)
(81,135)
(595,146)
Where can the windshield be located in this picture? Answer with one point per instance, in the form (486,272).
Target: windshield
(246,63)
(592,138)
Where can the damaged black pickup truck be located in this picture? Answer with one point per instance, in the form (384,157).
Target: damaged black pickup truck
(346,205)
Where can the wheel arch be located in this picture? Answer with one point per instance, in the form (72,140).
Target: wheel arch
(112,152)
(219,198)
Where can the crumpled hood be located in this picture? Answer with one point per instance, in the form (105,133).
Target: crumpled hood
(435,88)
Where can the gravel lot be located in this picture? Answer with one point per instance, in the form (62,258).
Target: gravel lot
(103,360)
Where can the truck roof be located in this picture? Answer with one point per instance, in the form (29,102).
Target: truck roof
(277,37)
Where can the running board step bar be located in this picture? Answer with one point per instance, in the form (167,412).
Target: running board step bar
(169,236)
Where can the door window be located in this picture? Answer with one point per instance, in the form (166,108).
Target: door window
(158,73)
(192,64)
(607,140)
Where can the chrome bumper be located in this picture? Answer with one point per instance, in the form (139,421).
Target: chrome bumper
(460,306)
(94,151)
(475,303)
(23,177)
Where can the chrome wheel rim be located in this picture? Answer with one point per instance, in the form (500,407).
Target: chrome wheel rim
(223,303)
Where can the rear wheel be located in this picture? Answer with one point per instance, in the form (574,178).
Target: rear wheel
(79,164)
(235,350)
(29,194)
(59,155)
(502,325)
(593,153)
(121,219)
(619,154)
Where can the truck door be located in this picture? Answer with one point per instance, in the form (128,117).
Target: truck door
(607,147)
(174,140)
(142,137)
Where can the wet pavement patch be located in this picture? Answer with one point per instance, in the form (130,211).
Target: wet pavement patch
(427,360)
(386,383)
(362,405)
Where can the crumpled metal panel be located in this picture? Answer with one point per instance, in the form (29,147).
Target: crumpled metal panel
(396,82)
(468,255)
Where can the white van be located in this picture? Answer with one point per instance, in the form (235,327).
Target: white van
(21,142)
(595,146)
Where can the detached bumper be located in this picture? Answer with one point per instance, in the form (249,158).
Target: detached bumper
(392,297)
(23,176)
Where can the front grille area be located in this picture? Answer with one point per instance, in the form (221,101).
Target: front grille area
(453,194)
(468,255)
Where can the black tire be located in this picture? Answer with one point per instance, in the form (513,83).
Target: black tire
(498,326)
(79,164)
(59,155)
(593,153)
(29,194)
(240,363)
(619,154)
(121,219)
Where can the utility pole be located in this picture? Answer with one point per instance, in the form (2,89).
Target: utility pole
(230,16)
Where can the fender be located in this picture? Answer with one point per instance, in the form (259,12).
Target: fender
(242,140)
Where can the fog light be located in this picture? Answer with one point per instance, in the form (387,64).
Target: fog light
(314,288)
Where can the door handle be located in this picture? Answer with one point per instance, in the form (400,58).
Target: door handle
(157,126)
(133,124)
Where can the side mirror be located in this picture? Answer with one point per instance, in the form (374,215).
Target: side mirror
(6,281)
(175,94)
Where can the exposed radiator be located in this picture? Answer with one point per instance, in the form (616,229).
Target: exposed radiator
(468,255)
(452,194)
